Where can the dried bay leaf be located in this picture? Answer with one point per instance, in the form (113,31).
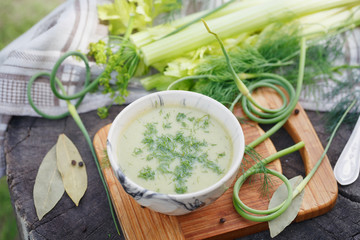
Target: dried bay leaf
(72,168)
(48,187)
(278,224)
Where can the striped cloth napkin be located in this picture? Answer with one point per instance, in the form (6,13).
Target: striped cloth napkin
(72,26)
(321,97)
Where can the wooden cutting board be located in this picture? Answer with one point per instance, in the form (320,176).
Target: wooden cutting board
(141,223)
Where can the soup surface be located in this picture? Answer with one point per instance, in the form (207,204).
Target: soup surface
(174,150)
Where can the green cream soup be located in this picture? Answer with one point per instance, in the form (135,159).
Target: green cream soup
(175,150)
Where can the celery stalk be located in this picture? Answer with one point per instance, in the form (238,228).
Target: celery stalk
(324,23)
(143,38)
(249,19)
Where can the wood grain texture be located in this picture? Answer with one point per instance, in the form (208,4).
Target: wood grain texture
(141,223)
(322,190)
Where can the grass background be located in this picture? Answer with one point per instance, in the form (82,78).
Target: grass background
(17,16)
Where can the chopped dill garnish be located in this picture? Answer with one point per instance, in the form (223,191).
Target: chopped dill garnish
(147,173)
(191,119)
(203,122)
(204,160)
(180,117)
(150,129)
(177,152)
(166,125)
(137,151)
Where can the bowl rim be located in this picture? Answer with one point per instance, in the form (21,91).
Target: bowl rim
(181,93)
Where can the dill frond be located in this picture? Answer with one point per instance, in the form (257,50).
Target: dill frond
(274,51)
(224,92)
(320,59)
(255,158)
(333,116)
(344,92)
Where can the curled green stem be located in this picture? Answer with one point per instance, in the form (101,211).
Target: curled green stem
(250,106)
(270,214)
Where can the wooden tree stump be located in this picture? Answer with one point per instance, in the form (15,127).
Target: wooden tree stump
(28,139)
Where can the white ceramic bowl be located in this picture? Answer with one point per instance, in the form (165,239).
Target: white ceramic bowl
(177,204)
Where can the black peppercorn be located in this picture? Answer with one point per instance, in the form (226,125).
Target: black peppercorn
(222,220)
(81,164)
(297,111)
(73,162)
